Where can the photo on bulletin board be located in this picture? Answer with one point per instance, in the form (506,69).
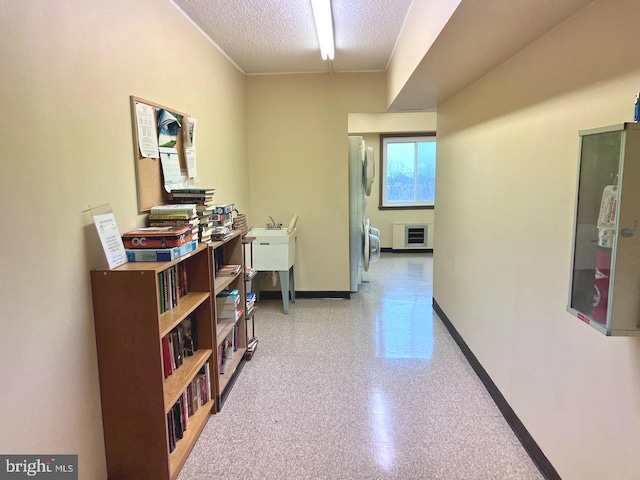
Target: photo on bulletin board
(169,126)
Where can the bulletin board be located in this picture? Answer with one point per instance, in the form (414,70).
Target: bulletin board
(149,176)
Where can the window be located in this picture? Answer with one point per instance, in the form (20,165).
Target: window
(408,171)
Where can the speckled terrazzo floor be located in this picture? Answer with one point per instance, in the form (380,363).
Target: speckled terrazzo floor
(367,388)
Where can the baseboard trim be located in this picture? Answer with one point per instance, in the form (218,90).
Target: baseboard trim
(406,250)
(277,294)
(535,452)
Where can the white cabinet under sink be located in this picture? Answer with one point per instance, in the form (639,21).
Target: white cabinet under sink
(273,249)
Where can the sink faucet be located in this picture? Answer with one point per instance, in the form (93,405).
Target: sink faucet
(272,223)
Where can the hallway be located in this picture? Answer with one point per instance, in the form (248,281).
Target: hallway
(367,388)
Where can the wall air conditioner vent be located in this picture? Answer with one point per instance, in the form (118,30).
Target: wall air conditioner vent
(415,236)
(412,236)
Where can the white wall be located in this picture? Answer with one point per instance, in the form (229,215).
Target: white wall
(69,67)
(507,162)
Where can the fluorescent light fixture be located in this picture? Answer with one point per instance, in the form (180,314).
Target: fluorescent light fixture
(324,27)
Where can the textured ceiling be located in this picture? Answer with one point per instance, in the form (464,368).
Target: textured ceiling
(279,36)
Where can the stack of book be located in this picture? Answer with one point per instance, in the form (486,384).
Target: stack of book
(178,215)
(252,344)
(220,234)
(251,300)
(222,221)
(156,244)
(249,273)
(203,198)
(228,306)
(229,270)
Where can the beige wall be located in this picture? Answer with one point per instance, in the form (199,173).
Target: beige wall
(507,161)
(360,123)
(69,68)
(298,156)
(424,22)
(370,126)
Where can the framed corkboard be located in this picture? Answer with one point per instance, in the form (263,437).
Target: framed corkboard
(149,178)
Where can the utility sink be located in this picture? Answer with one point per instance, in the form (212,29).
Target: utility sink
(273,249)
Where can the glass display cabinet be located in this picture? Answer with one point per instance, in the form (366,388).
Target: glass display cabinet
(605,275)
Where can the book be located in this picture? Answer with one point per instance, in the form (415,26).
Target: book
(226,208)
(171,433)
(160,254)
(193,222)
(170,208)
(207,379)
(227,315)
(204,209)
(193,191)
(171,216)
(221,351)
(233,294)
(166,357)
(229,270)
(229,293)
(157,237)
(221,217)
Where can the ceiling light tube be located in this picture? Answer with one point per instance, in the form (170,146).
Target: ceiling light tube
(324,27)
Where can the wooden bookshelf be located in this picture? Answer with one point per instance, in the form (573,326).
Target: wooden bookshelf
(229,252)
(130,329)
(134,393)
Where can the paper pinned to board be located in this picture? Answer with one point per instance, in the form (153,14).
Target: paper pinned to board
(171,172)
(190,147)
(147,140)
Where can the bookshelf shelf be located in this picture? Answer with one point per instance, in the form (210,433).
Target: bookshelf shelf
(187,304)
(176,383)
(224,329)
(196,424)
(231,367)
(223,281)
